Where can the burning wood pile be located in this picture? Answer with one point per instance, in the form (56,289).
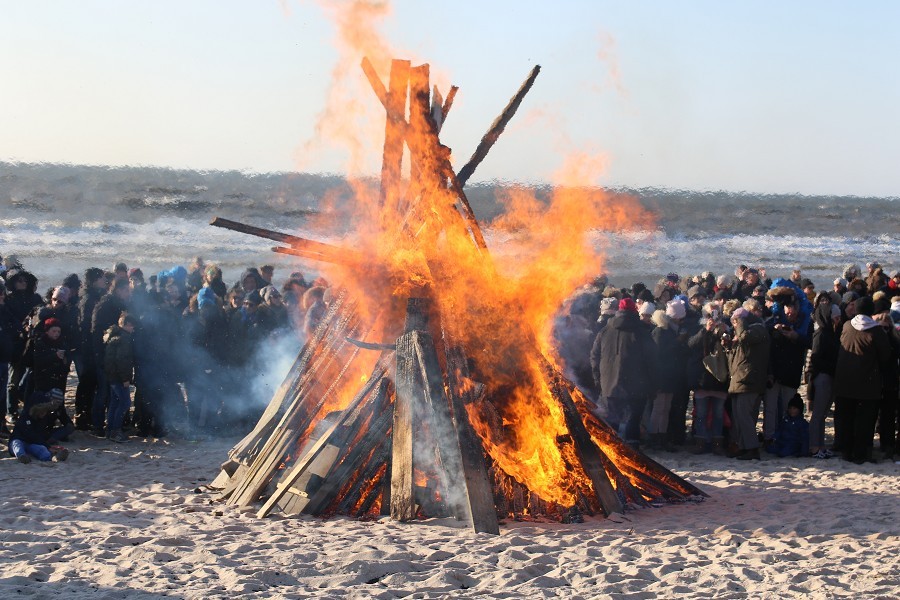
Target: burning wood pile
(426,391)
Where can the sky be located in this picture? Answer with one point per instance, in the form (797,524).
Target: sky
(772,97)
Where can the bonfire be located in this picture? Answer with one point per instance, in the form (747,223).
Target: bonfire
(431,389)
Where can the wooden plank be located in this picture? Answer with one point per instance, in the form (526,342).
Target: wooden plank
(479,492)
(301,465)
(295,419)
(443,429)
(298,243)
(497,127)
(378,428)
(392,156)
(408,391)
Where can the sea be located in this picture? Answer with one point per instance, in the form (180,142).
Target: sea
(59,219)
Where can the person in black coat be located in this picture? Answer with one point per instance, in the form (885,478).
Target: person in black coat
(85,358)
(823,358)
(623,364)
(106,314)
(10,342)
(49,362)
(21,300)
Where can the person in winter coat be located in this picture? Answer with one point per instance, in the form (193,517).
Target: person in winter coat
(890,395)
(623,361)
(862,363)
(118,365)
(106,314)
(34,435)
(669,360)
(213,279)
(789,328)
(49,363)
(10,343)
(748,367)
(823,358)
(85,357)
(273,314)
(709,393)
(21,300)
(792,435)
(205,384)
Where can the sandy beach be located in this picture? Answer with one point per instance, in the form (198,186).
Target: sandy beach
(136,521)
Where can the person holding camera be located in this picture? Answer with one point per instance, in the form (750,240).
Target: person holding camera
(789,328)
(748,367)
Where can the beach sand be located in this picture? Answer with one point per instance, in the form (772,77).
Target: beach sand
(134,521)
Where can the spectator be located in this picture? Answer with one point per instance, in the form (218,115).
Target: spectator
(748,367)
(118,364)
(623,361)
(862,363)
(792,436)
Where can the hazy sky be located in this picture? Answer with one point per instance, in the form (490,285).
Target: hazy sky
(757,96)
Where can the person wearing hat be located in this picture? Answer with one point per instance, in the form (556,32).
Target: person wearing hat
(862,363)
(50,365)
(273,313)
(670,368)
(748,367)
(623,362)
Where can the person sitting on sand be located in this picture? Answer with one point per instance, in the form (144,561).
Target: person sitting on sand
(34,435)
(792,436)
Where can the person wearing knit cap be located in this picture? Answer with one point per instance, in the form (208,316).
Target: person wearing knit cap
(623,361)
(865,359)
(50,368)
(61,293)
(627,304)
(646,311)
(670,369)
(608,309)
(675,310)
(748,366)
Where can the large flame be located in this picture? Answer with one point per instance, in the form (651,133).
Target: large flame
(498,306)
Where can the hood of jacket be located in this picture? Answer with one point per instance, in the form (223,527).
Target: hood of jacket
(625,320)
(113,332)
(863,322)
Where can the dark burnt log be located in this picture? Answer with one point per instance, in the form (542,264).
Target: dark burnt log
(375,492)
(448,103)
(356,454)
(497,127)
(328,252)
(300,466)
(366,480)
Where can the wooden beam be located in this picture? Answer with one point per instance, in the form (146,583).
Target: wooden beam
(301,465)
(497,127)
(329,252)
(394,133)
(408,390)
(443,430)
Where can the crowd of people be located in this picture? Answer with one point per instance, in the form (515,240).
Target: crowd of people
(186,344)
(729,350)
(725,350)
